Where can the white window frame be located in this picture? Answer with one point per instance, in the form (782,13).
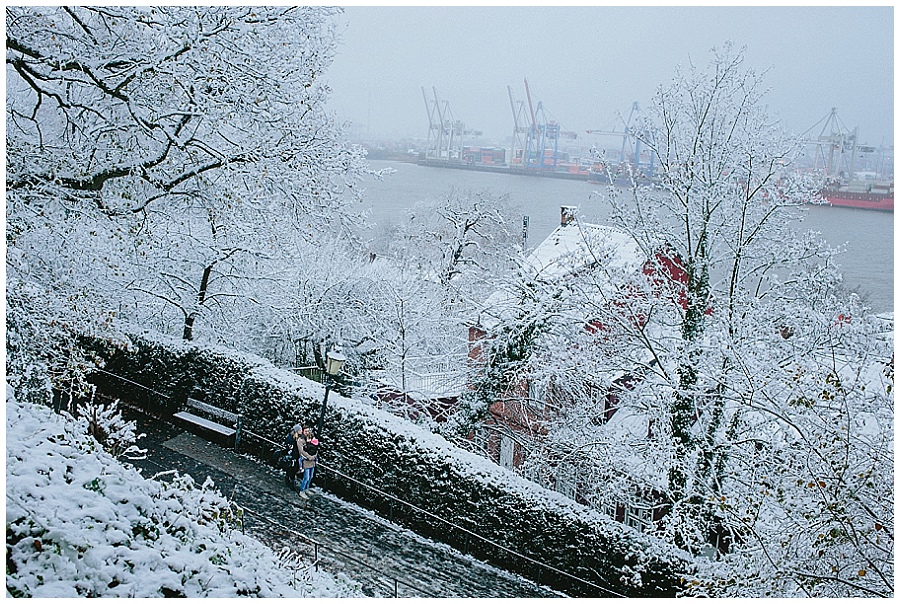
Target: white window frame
(507,451)
(481,438)
(533,473)
(639,517)
(536,395)
(567,480)
(596,394)
(609,508)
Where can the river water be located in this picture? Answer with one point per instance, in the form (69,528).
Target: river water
(867,264)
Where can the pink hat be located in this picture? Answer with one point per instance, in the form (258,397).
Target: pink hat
(314,441)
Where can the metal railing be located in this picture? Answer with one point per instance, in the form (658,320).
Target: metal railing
(316,545)
(494,544)
(274,448)
(132,382)
(338,553)
(311,372)
(236,419)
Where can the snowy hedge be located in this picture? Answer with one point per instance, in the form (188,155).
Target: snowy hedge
(414,465)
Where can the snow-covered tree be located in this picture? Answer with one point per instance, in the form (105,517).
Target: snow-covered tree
(162,155)
(752,395)
(380,313)
(42,353)
(335,296)
(723,169)
(464,240)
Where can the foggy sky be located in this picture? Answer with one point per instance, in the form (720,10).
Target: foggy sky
(588,64)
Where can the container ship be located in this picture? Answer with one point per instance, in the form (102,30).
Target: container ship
(867,195)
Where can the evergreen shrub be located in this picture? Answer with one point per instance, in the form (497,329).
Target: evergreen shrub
(412,464)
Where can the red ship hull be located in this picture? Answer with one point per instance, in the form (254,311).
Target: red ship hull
(866,201)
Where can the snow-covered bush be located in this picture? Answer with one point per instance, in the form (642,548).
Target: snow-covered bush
(41,352)
(79,524)
(104,422)
(413,464)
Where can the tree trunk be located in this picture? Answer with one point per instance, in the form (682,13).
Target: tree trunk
(188,333)
(684,406)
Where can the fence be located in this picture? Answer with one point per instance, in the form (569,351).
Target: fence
(314,373)
(424,377)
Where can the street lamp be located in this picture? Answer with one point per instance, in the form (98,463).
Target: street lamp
(333,362)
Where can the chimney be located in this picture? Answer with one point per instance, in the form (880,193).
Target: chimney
(567,215)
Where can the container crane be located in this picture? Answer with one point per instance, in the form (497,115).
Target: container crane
(632,138)
(627,134)
(439,132)
(445,133)
(542,136)
(521,126)
(835,138)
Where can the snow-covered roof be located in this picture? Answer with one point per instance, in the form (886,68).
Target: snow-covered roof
(568,249)
(499,306)
(577,245)
(426,378)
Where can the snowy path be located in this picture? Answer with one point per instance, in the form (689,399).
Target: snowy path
(424,568)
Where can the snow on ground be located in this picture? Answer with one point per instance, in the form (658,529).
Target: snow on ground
(81,524)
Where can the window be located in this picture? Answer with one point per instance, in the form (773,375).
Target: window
(536,394)
(533,473)
(596,395)
(566,480)
(507,448)
(481,441)
(639,517)
(609,508)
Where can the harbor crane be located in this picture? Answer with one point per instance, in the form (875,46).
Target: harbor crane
(628,133)
(521,127)
(841,154)
(633,134)
(445,133)
(534,134)
(440,130)
(836,141)
(635,131)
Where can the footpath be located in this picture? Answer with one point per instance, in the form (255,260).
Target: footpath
(385,559)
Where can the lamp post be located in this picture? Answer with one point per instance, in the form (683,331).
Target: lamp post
(333,362)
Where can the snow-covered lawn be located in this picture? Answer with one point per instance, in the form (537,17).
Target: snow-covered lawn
(81,524)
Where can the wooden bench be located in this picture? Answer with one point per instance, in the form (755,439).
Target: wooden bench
(210,423)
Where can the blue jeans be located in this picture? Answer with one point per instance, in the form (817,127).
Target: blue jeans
(307,478)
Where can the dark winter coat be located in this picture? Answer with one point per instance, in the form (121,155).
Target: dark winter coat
(295,455)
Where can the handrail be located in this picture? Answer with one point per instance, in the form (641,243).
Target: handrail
(456,526)
(318,544)
(124,379)
(476,535)
(279,446)
(337,552)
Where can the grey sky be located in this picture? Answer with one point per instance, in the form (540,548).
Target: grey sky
(586,64)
